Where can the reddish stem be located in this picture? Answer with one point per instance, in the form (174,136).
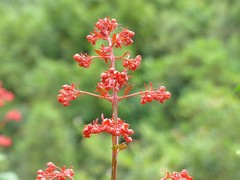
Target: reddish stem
(114,138)
(95,95)
(115,116)
(133,94)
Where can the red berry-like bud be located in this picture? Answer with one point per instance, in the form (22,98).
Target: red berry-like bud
(125,63)
(104,75)
(128,139)
(83,60)
(111,70)
(167,95)
(50,164)
(77,57)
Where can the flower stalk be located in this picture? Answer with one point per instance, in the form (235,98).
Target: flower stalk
(112,81)
(114,138)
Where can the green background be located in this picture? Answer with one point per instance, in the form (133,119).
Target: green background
(189,46)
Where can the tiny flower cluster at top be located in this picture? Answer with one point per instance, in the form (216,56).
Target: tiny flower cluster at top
(109,126)
(12,115)
(55,172)
(183,175)
(102,30)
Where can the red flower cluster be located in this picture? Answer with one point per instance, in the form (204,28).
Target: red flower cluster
(113,79)
(109,126)
(124,37)
(132,64)
(159,95)
(54,172)
(102,29)
(5,141)
(83,59)
(67,94)
(183,175)
(106,26)
(14,115)
(5,95)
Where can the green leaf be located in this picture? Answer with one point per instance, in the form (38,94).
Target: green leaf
(120,147)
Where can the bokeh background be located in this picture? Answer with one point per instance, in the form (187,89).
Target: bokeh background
(190,46)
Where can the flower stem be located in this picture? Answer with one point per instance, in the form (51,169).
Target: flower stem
(115,117)
(114,138)
(95,95)
(114,151)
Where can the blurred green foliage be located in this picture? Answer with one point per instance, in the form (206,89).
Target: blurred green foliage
(191,47)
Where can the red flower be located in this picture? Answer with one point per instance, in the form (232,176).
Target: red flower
(5,141)
(124,37)
(113,79)
(106,26)
(183,175)
(83,59)
(109,126)
(52,172)
(67,94)
(132,64)
(102,29)
(159,95)
(5,95)
(93,37)
(13,115)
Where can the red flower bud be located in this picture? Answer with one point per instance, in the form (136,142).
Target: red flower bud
(67,94)
(83,60)
(124,37)
(159,95)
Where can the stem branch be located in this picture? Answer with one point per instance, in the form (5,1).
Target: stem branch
(95,95)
